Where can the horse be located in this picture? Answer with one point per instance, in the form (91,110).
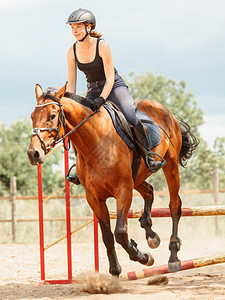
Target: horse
(104,166)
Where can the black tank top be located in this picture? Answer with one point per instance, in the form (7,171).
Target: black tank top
(94,70)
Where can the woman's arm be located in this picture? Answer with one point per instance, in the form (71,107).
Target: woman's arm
(105,53)
(72,71)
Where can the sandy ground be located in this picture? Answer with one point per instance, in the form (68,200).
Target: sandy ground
(20,274)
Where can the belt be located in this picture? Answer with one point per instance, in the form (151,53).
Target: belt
(95,83)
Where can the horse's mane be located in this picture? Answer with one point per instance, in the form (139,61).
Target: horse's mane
(51,97)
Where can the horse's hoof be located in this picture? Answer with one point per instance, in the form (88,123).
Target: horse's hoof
(155,242)
(174,266)
(115,270)
(150,259)
(73,178)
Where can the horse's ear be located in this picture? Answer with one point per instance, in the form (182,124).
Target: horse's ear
(38,91)
(62,91)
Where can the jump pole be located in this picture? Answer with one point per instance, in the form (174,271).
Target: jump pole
(68,225)
(41,223)
(68,228)
(96,250)
(68,218)
(198,211)
(185,265)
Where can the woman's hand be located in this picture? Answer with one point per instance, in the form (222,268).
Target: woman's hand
(97,103)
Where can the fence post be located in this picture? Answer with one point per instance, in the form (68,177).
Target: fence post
(216,193)
(13,203)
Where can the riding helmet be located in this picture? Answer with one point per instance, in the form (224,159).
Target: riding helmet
(82,16)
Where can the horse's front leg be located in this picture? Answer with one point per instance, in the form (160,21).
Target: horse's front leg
(101,211)
(124,199)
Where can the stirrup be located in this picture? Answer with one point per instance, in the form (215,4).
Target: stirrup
(72,178)
(163,162)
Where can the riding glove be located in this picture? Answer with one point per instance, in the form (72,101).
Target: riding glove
(97,103)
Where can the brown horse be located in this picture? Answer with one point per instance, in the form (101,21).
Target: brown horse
(104,164)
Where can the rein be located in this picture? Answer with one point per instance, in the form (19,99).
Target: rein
(61,121)
(75,128)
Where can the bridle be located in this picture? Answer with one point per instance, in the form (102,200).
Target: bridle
(61,122)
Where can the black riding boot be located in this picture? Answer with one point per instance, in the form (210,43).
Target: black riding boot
(73,178)
(144,146)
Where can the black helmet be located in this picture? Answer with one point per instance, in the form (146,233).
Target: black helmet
(82,16)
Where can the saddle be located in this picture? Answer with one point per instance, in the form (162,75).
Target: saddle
(125,130)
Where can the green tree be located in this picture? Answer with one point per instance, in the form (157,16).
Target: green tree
(14,141)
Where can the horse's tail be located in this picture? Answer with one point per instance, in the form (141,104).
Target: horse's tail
(189,142)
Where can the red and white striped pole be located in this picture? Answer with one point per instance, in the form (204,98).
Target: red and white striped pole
(198,211)
(185,265)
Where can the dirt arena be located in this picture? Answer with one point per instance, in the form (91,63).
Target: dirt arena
(20,274)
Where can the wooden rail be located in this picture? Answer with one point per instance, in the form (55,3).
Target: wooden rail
(82,196)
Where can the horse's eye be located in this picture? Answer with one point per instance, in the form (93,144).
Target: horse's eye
(52,117)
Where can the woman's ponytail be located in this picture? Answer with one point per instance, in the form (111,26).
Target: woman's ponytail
(95,34)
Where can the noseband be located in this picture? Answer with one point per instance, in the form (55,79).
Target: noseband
(61,121)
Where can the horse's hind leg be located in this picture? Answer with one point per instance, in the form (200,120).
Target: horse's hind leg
(101,211)
(171,172)
(124,198)
(146,191)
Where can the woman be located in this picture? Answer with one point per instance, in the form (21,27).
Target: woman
(92,55)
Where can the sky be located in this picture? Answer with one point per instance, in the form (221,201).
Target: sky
(181,40)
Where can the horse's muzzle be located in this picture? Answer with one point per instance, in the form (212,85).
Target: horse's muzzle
(36,156)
